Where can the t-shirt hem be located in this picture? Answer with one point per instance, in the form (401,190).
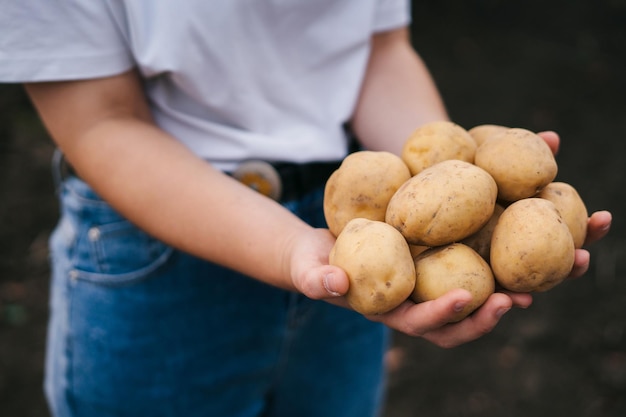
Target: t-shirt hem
(389,18)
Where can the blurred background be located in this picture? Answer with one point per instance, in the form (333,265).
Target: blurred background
(542,65)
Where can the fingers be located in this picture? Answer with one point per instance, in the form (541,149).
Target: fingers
(598,226)
(481,322)
(431,320)
(520,300)
(323,282)
(419,319)
(552,139)
(599,222)
(581,263)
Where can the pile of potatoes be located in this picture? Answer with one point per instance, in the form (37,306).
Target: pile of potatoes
(472,209)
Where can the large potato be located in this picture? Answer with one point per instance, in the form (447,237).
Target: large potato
(361,187)
(435,142)
(571,207)
(379,265)
(520,161)
(439,270)
(532,248)
(442,204)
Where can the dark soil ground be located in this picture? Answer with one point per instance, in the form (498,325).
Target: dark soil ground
(557,65)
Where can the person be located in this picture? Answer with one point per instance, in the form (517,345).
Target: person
(177,289)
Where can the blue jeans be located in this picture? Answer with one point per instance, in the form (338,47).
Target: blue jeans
(138,328)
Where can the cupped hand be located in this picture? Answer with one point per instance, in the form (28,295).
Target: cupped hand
(431,319)
(315,278)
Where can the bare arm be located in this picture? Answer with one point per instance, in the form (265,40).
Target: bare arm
(104,128)
(398,94)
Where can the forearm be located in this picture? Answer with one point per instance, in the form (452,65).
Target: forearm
(166,190)
(398,94)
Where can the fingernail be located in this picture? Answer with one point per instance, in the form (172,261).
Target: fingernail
(327,285)
(501,312)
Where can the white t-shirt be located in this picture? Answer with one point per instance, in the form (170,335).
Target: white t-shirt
(232,79)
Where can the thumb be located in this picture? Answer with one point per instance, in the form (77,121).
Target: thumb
(324,282)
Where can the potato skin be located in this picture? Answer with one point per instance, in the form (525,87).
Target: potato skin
(362,187)
(532,249)
(441,269)
(520,162)
(442,204)
(571,207)
(417,249)
(481,240)
(435,142)
(481,133)
(378,263)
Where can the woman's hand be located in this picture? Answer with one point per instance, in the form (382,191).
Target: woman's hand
(315,278)
(431,319)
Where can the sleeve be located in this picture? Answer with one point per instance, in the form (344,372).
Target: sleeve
(53,40)
(392,14)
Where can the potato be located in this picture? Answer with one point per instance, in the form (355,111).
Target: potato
(435,142)
(532,248)
(442,204)
(441,269)
(362,187)
(417,249)
(481,133)
(571,207)
(481,240)
(520,162)
(378,263)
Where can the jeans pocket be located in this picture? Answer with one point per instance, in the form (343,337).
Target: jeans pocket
(118,253)
(104,247)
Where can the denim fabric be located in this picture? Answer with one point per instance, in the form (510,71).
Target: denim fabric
(140,329)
